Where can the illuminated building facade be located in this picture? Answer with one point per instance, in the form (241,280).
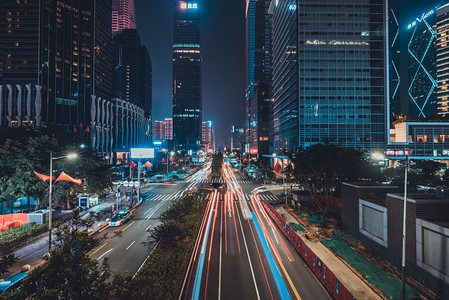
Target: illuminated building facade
(329,82)
(394,32)
(159,130)
(258,72)
(187,80)
(55,56)
(207,136)
(422,71)
(123,15)
(284,82)
(168,128)
(442,59)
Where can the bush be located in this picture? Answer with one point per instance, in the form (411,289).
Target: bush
(13,237)
(162,275)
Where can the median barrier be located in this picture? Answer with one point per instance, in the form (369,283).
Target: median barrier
(330,282)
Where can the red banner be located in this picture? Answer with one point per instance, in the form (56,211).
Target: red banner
(277,167)
(132,164)
(65,177)
(43,177)
(148,164)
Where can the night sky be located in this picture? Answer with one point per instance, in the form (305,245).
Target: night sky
(223,46)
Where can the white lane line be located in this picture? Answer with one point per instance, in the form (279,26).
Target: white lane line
(247,253)
(130,245)
(148,227)
(221,251)
(105,253)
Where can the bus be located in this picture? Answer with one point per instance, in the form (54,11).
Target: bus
(11,282)
(120,218)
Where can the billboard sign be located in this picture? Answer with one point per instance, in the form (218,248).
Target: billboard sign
(142,153)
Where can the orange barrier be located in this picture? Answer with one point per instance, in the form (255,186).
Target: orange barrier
(12,220)
(335,288)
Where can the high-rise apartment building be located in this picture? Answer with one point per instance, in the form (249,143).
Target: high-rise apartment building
(168,128)
(159,130)
(258,71)
(206,139)
(328,83)
(56,56)
(123,15)
(132,80)
(187,81)
(442,59)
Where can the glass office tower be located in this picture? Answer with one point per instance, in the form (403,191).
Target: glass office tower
(338,94)
(187,95)
(285,80)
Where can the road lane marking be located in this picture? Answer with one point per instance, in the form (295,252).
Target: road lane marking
(249,258)
(130,245)
(103,228)
(98,249)
(148,228)
(198,275)
(105,253)
(282,288)
(128,226)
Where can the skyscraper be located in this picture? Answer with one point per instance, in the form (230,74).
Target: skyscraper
(56,55)
(206,139)
(132,80)
(168,128)
(123,15)
(187,81)
(159,130)
(422,70)
(328,78)
(258,71)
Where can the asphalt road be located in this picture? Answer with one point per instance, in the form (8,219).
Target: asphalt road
(124,245)
(242,255)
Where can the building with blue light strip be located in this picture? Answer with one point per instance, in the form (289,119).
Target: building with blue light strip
(422,70)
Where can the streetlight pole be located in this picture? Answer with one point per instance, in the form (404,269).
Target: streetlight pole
(138,179)
(167,164)
(49,201)
(283,182)
(50,192)
(404,223)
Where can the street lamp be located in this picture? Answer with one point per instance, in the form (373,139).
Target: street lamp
(283,178)
(171,154)
(70,156)
(378,157)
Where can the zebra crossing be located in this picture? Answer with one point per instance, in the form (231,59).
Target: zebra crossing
(167,197)
(216,181)
(263,197)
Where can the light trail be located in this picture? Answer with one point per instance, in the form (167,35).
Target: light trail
(199,271)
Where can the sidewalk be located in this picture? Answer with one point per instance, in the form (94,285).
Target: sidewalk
(358,287)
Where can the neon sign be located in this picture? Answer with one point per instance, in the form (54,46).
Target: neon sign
(185,5)
(423,17)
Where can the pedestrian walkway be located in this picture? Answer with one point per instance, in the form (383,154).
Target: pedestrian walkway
(357,286)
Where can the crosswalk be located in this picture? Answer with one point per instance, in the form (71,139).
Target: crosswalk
(167,197)
(263,197)
(216,181)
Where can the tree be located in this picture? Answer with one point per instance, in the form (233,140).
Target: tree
(69,272)
(321,169)
(19,159)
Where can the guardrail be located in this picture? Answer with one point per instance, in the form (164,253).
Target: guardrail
(330,282)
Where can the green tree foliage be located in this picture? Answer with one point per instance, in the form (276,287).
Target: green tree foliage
(69,272)
(162,275)
(217,162)
(321,169)
(19,159)
(421,172)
